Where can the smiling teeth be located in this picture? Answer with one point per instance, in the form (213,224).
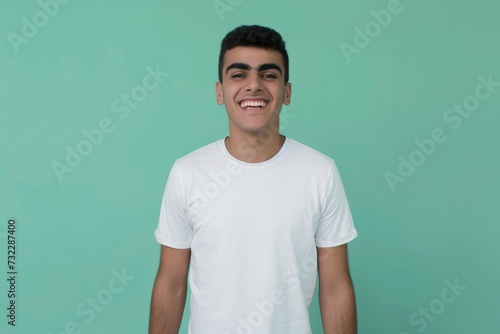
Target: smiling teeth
(247,103)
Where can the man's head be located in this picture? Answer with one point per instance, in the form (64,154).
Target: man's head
(254,36)
(253,84)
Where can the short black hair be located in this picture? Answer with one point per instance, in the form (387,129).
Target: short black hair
(257,36)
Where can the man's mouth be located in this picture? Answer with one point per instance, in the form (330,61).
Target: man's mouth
(253,104)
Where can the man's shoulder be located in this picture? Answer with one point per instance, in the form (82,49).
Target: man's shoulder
(309,155)
(204,153)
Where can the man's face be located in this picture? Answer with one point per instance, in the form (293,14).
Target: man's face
(253,89)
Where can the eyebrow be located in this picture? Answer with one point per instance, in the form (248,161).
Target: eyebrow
(247,67)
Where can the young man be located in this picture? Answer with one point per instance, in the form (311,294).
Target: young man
(256,217)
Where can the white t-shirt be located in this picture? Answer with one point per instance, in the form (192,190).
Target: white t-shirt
(253,229)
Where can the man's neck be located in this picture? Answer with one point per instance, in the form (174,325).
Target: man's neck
(254,148)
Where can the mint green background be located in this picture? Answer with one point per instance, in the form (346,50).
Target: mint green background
(441,223)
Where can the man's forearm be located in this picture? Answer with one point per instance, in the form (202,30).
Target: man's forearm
(338,309)
(167,307)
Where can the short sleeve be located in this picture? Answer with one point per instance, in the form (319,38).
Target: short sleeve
(173,228)
(335,226)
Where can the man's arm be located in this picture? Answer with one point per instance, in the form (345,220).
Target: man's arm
(336,293)
(169,291)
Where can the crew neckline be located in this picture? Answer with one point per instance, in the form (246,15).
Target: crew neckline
(276,157)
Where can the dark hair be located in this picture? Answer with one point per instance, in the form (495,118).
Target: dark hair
(257,36)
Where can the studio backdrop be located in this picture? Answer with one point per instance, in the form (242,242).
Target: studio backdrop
(99,98)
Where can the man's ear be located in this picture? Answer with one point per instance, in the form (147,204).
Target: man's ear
(218,93)
(288,94)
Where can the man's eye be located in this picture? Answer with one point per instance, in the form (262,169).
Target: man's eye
(269,76)
(238,75)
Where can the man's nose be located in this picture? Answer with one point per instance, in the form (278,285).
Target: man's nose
(254,82)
